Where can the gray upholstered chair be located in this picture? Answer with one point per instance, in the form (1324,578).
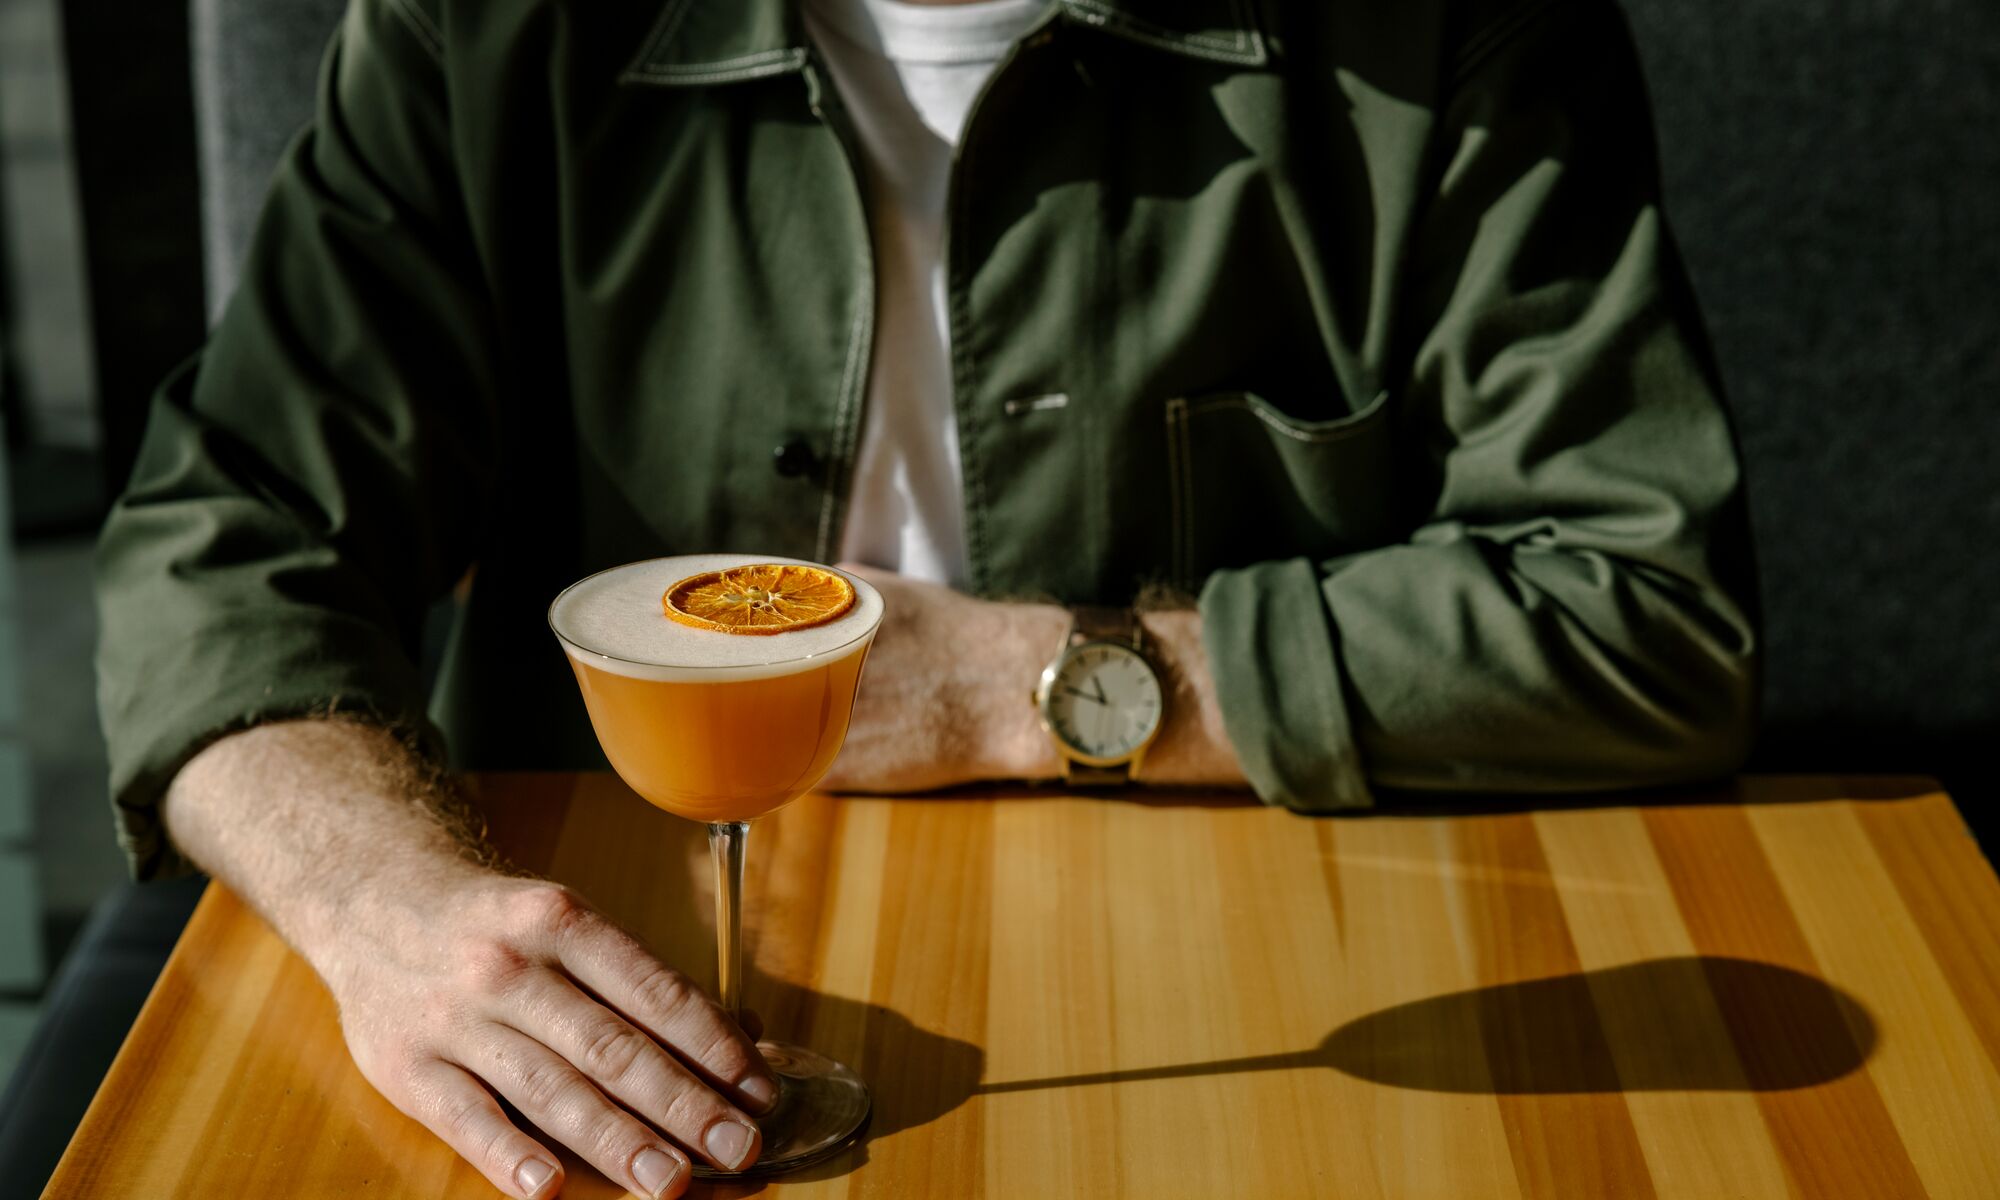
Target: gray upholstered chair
(256,66)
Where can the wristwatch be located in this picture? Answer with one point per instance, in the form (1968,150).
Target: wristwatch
(1100,699)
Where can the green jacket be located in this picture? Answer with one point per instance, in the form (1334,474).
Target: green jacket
(1370,329)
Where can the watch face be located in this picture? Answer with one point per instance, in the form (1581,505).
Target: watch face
(1102,701)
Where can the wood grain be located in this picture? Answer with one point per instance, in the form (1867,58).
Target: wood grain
(1789,988)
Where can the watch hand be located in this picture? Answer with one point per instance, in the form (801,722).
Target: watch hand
(1097,683)
(1081,695)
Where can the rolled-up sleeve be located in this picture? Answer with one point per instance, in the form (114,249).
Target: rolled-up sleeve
(1576,610)
(311,481)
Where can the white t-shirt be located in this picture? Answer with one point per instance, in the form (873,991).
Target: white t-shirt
(908,74)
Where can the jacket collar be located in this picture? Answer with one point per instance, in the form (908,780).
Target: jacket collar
(697,42)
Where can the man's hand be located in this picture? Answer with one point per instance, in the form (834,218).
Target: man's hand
(455,983)
(944,698)
(518,987)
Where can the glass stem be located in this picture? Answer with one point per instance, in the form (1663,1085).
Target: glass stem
(725,844)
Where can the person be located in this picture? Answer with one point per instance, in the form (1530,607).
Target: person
(1344,344)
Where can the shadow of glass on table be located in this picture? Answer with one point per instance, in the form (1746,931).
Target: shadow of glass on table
(1708,1024)
(914,1075)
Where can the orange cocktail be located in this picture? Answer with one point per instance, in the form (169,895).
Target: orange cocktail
(709,720)
(718,749)
(720,687)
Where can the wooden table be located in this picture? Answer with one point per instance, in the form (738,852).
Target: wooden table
(1787,988)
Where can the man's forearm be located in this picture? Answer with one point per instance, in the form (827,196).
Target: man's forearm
(298,817)
(1193,747)
(945,698)
(457,984)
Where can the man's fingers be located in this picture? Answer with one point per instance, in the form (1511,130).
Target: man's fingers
(630,1067)
(662,1001)
(555,1095)
(453,1105)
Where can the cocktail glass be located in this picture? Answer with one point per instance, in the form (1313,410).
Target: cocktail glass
(722,729)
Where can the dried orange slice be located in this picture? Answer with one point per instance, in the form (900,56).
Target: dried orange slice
(759,598)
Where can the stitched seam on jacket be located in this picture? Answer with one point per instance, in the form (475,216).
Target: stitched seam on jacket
(962,372)
(839,470)
(1245,47)
(1138,25)
(1360,421)
(750,66)
(422,27)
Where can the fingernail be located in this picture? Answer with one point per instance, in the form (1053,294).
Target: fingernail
(759,1092)
(727,1143)
(533,1175)
(656,1170)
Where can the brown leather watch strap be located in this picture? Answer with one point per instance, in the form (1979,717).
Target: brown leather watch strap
(1078,774)
(1105,625)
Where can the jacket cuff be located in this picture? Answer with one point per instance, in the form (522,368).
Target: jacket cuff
(1273,654)
(163,707)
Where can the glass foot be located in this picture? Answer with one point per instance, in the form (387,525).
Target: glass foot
(822,1108)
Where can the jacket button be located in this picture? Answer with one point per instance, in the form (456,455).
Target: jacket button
(793,458)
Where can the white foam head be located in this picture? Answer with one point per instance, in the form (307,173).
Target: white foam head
(614,621)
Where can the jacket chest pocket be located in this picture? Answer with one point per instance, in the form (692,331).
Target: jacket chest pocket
(1249,482)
